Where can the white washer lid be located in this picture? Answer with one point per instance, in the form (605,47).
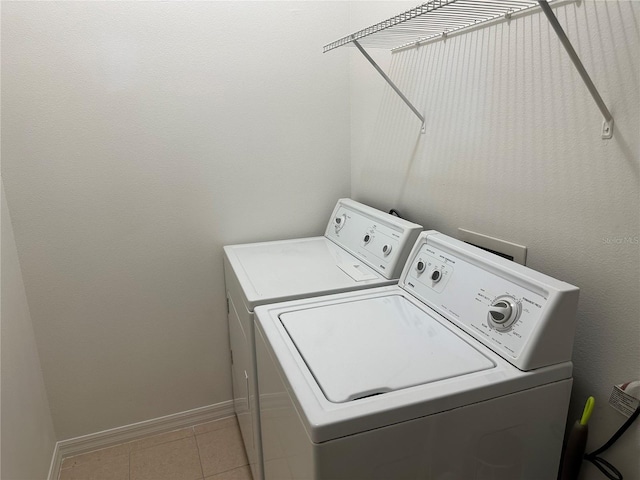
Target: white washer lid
(375,345)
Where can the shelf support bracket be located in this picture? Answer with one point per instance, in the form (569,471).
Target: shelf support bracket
(607,126)
(391,84)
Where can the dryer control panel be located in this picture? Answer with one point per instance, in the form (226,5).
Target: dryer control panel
(525,316)
(378,239)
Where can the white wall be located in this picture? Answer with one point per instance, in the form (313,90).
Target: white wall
(138,138)
(27,436)
(513,150)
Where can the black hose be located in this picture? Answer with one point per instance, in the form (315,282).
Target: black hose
(607,469)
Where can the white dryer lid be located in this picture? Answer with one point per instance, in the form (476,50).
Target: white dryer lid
(284,270)
(374,345)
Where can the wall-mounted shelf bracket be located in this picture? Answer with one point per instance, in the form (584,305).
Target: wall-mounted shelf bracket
(391,84)
(607,126)
(439,19)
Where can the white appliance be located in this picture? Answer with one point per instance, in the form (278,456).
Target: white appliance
(461,371)
(362,247)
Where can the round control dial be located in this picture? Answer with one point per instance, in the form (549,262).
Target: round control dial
(420,266)
(339,222)
(436,276)
(386,249)
(503,312)
(367,238)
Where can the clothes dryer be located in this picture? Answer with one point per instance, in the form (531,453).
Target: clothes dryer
(461,371)
(362,248)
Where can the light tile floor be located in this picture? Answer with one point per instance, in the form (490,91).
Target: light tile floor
(211,451)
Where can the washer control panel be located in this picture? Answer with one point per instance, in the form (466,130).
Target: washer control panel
(432,272)
(380,240)
(496,301)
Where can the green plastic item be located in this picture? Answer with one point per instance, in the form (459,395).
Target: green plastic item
(574,450)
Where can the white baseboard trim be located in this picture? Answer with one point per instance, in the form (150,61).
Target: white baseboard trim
(135,431)
(56,463)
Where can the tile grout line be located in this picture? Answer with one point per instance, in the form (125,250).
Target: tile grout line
(228,470)
(195,437)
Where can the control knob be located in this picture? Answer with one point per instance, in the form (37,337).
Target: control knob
(436,276)
(420,266)
(503,312)
(339,222)
(386,249)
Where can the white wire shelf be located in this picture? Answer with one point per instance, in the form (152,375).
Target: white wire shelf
(430,20)
(440,18)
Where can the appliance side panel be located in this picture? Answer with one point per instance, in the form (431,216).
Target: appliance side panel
(287,449)
(240,358)
(243,368)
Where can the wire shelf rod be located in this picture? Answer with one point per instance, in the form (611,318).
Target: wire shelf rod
(392,85)
(607,126)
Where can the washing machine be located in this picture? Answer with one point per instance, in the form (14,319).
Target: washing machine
(362,248)
(461,371)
